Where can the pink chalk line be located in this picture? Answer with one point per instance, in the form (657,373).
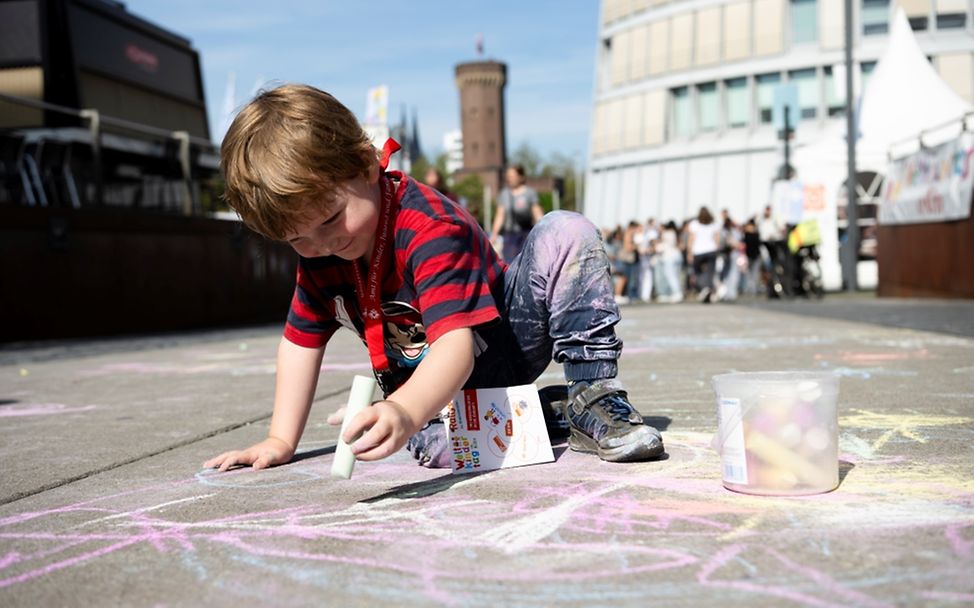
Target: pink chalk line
(42,409)
(822,581)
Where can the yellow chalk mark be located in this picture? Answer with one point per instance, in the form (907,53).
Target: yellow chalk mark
(898,424)
(871,420)
(749,524)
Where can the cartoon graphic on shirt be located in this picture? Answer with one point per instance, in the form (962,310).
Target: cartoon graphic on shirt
(341,314)
(405,334)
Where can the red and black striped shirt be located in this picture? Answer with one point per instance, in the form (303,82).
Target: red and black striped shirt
(445,276)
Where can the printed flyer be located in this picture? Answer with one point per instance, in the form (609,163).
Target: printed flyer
(497,428)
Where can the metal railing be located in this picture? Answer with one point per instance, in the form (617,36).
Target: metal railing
(918,138)
(95,121)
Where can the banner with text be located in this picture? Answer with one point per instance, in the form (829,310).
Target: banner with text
(931,185)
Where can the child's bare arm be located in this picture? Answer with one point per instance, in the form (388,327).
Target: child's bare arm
(297,377)
(390,423)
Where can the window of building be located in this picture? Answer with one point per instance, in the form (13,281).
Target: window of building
(808,94)
(866,67)
(654,118)
(917,12)
(834,103)
(951,21)
(738,108)
(957,70)
(918,24)
(632,115)
(707,36)
(804,21)
(765,94)
(619,63)
(681,41)
(659,44)
(682,112)
(737,30)
(708,106)
(875,17)
(951,14)
(769,17)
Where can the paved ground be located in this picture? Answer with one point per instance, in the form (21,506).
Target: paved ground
(102,501)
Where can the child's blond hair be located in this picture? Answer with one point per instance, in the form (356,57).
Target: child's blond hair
(287,152)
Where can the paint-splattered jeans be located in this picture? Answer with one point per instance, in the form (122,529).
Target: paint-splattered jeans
(560,306)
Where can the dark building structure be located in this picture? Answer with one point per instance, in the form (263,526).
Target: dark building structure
(481,85)
(107,181)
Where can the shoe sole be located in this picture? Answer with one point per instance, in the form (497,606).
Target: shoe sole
(629,452)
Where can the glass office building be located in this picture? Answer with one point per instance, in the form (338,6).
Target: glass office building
(684,93)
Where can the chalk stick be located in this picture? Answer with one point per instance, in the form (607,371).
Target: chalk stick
(359,398)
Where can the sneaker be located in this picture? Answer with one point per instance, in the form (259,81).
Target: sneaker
(553,401)
(603,422)
(429,446)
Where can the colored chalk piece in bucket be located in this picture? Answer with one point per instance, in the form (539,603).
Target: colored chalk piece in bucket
(777,432)
(359,398)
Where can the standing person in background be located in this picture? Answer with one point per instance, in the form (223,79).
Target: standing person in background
(702,252)
(612,242)
(434,179)
(629,255)
(752,249)
(646,244)
(689,281)
(729,252)
(772,233)
(670,263)
(518,211)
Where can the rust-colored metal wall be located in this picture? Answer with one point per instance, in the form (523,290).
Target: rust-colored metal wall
(927,260)
(71,273)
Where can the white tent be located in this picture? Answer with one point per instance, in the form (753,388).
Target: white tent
(905,98)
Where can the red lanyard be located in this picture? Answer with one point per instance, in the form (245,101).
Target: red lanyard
(370,291)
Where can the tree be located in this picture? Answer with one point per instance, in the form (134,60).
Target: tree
(527,157)
(470,190)
(419,169)
(557,165)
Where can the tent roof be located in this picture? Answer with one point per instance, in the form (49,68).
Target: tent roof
(905,94)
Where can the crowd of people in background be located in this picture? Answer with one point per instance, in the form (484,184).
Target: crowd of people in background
(712,259)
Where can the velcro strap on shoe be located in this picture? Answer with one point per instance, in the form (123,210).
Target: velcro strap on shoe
(594,392)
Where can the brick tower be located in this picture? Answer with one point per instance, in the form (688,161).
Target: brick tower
(481,85)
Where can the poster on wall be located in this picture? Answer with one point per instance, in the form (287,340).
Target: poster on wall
(931,185)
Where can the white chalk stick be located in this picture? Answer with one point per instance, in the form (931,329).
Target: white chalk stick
(359,398)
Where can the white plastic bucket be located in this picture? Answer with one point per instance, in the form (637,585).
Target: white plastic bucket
(777,432)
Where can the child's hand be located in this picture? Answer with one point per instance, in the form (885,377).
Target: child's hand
(335,418)
(387,427)
(267,453)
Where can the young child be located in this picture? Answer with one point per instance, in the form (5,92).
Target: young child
(414,275)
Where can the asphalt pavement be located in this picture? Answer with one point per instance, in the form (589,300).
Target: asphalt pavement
(103,501)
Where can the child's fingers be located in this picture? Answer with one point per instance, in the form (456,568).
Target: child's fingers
(385,448)
(336,417)
(214,462)
(360,424)
(374,444)
(235,458)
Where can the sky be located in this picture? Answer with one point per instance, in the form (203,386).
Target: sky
(347,47)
